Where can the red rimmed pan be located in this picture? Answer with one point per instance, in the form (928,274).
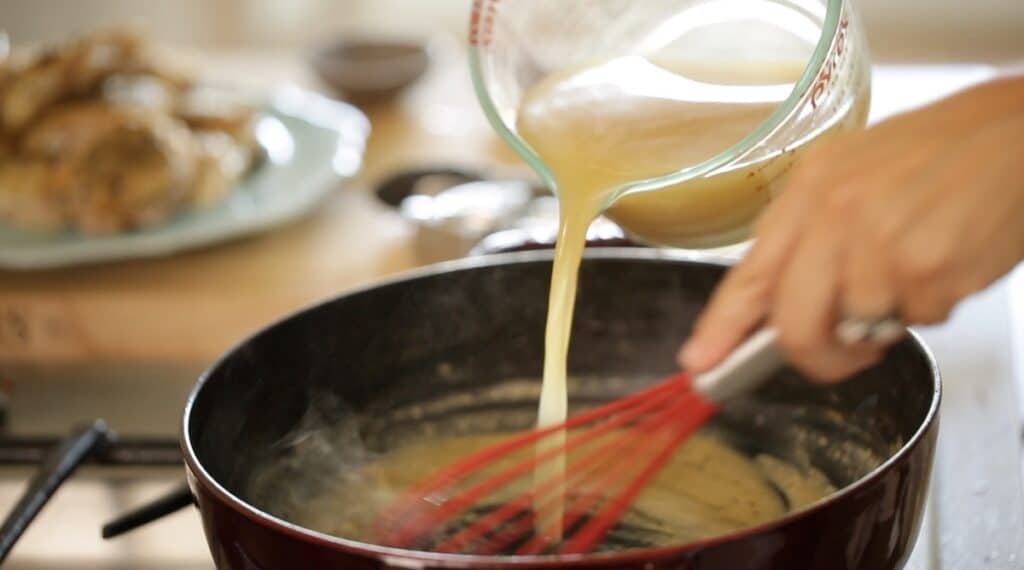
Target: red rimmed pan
(457,328)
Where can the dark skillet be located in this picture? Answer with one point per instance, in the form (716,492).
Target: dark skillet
(376,353)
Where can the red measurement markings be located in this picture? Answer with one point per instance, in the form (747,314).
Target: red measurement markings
(481,27)
(828,72)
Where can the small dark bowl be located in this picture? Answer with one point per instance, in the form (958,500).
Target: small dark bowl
(396,188)
(370,70)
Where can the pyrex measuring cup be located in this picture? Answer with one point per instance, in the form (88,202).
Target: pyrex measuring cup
(517,43)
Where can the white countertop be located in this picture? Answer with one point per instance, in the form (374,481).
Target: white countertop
(980,352)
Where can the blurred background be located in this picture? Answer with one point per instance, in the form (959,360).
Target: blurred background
(898,30)
(125,340)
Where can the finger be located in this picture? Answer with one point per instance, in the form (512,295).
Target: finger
(924,254)
(926,286)
(837,366)
(866,290)
(740,302)
(736,307)
(805,306)
(958,244)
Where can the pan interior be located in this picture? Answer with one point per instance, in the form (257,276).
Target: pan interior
(321,397)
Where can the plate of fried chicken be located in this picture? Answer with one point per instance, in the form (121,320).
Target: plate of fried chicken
(110,152)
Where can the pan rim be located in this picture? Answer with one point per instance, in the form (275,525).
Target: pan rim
(416,559)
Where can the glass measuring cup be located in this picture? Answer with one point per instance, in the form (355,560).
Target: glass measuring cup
(517,43)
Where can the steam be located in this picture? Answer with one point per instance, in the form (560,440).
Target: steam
(325,447)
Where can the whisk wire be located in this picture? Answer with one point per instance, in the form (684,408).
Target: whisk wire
(580,470)
(659,429)
(589,536)
(447,476)
(510,511)
(650,425)
(399,528)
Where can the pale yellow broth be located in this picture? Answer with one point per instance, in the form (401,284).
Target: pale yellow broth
(601,126)
(706,489)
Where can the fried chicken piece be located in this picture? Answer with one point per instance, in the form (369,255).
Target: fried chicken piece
(24,198)
(30,90)
(222,163)
(113,168)
(65,130)
(37,81)
(208,109)
(133,178)
(102,135)
(141,91)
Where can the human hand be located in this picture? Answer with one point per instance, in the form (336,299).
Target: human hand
(903,219)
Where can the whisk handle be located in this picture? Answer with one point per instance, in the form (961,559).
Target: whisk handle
(747,366)
(759,356)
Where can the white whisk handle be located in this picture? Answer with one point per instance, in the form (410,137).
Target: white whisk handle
(746,367)
(759,356)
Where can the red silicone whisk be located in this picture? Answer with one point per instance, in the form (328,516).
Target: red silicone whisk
(486,503)
(611,454)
